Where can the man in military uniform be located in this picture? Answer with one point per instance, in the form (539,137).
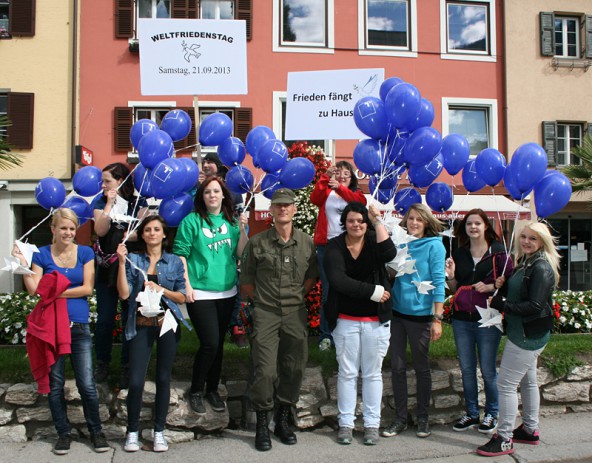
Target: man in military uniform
(278,269)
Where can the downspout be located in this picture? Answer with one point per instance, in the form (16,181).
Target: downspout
(504,80)
(73,108)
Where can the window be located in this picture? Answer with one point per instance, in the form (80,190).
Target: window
(303,26)
(216,9)
(559,138)
(3,112)
(4,9)
(154,8)
(476,120)
(468,30)
(17,18)
(19,108)
(566,36)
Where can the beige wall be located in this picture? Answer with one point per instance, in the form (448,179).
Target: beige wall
(42,65)
(536,92)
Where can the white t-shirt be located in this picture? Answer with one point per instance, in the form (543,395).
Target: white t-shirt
(334,206)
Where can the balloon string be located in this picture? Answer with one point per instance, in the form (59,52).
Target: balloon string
(499,219)
(187,147)
(51,212)
(508,251)
(257,184)
(137,268)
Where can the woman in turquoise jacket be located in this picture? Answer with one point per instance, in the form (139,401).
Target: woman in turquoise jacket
(418,299)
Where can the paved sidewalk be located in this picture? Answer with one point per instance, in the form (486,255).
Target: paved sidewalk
(565,438)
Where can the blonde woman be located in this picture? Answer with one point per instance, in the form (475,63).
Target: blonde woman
(526,300)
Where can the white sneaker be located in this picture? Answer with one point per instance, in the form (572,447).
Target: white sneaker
(325,345)
(160,443)
(131,442)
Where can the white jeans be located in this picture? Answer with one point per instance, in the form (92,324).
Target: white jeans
(360,345)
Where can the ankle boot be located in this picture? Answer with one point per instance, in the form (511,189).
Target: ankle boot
(282,428)
(262,439)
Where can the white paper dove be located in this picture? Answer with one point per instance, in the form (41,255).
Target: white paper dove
(27,250)
(13,265)
(119,211)
(449,233)
(169,323)
(402,254)
(399,236)
(150,302)
(406,267)
(490,317)
(423,287)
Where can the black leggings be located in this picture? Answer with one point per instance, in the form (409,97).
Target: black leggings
(210,319)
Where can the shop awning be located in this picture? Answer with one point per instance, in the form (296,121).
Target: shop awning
(496,207)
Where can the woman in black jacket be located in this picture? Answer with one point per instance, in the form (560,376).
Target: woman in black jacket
(527,307)
(356,311)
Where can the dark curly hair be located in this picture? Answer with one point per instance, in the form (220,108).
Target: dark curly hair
(359,208)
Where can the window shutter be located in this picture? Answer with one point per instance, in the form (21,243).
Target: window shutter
(124,19)
(590,129)
(589,36)
(184,9)
(547,34)
(550,141)
(190,140)
(123,120)
(21,108)
(243,121)
(22,17)
(244,10)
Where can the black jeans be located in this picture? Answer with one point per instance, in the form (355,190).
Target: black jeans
(140,351)
(107,299)
(210,319)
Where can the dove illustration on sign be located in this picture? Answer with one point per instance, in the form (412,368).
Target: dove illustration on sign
(368,87)
(13,265)
(423,287)
(190,50)
(169,323)
(149,300)
(27,250)
(407,267)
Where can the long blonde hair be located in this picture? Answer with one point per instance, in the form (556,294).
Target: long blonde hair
(549,249)
(432,225)
(63,213)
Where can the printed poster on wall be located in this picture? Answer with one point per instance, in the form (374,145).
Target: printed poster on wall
(320,104)
(192,57)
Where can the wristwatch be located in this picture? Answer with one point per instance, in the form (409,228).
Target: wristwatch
(438,316)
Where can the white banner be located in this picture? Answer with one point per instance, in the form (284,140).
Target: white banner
(320,104)
(192,57)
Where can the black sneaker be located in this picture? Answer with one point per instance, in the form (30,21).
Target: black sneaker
(488,424)
(62,446)
(394,429)
(101,372)
(196,402)
(215,401)
(423,428)
(99,442)
(522,436)
(466,422)
(496,446)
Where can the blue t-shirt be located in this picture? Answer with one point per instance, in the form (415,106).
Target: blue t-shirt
(77,307)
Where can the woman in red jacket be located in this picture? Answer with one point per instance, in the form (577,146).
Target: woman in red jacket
(334,190)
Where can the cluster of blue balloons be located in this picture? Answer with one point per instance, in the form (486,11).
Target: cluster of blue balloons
(267,152)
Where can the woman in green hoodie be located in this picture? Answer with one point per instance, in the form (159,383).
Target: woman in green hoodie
(209,242)
(418,303)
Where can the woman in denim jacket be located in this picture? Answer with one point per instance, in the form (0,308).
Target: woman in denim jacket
(165,273)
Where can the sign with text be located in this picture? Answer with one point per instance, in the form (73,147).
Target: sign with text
(192,57)
(320,104)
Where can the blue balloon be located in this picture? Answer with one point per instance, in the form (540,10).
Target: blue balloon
(424,117)
(510,185)
(385,196)
(551,194)
(88,181)
(422,146)
(386,86)
(141,128)
(370,117)
(175,209)
(269,184)
(155,146)
(168,178)
(297,173)
(402,104)
(191,173)
(256,137)
(422,176)
(470,177)
(214,129)
(491,166)
(455,151)
(177,124)
(367,156)
(232,151)
(239,180)
(272,156)
(529,164)
(439,197)
(50,193)
(143,181)
(405,198)
(80,207)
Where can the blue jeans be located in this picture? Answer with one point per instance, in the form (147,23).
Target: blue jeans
(81,360)
(324,330)
(468,336)
(107,300)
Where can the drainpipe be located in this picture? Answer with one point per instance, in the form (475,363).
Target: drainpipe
(73,108)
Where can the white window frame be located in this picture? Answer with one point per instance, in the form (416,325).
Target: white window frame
(328,49)
(564,20)
(230,105)
(133,154)
(491,57)
(6,4)
(388,51)
(137,12)
(568,155)
(278,99)
(4,94)
(489,104)
(217,14)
